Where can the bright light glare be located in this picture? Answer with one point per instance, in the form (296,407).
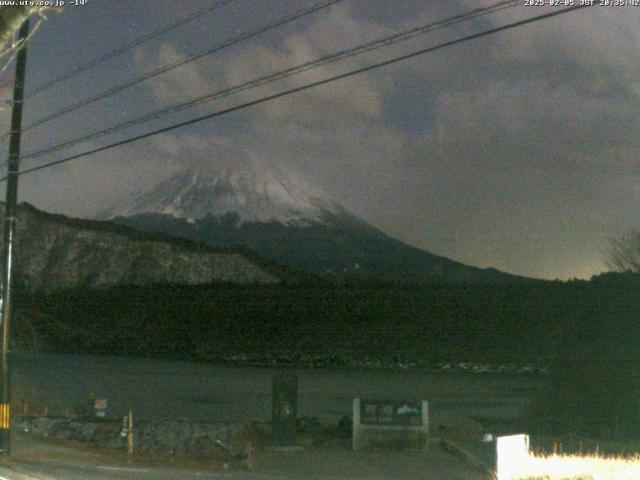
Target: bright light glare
(513,455)
(584,467)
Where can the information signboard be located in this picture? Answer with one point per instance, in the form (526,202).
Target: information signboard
(390,424)
(390,412)
(100,407)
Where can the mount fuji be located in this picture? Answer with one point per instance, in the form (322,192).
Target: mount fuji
(284,218)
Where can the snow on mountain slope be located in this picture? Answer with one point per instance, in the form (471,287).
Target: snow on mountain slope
(57,252)
(249,189)
(283,218)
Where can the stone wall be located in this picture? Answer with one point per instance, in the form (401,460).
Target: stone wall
(175,436)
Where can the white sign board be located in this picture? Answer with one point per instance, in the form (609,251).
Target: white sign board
(512,454)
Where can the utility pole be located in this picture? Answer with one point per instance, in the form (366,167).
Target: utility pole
(9,238)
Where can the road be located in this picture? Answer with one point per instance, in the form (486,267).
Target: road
(42,460)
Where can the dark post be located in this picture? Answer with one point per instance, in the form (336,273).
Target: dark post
(9,237)
(285,409)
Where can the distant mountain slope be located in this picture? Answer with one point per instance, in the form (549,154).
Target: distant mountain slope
(287,220)
(54,252)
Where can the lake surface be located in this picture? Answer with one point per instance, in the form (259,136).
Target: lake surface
(161,388)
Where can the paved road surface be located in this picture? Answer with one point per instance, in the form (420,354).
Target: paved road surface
(42,460)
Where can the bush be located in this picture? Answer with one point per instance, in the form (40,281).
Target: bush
(595,383)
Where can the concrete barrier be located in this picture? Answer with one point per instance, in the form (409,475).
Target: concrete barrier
(179,436)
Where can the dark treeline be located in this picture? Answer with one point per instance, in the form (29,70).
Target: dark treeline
(498,323)
(467,323)
(595,373)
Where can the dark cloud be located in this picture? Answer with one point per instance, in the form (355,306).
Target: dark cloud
(516,151)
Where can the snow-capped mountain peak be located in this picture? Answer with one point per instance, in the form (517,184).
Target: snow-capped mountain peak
(285,219)
(251,190)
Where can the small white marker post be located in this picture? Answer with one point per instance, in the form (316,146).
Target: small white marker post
(130,434)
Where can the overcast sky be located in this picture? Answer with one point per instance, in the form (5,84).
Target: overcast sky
(517,151)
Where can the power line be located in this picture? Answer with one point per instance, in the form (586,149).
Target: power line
(192,58)
(129,46)
(341,55)
(252,103)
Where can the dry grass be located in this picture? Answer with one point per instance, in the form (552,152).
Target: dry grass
(580,467)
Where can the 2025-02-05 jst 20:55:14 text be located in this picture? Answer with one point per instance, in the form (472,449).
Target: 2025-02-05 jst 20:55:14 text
(582,3)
